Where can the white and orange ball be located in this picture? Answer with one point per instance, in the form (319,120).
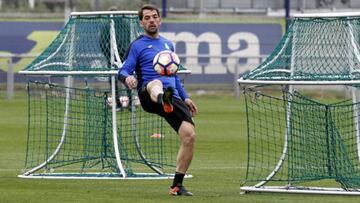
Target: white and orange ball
(166,63)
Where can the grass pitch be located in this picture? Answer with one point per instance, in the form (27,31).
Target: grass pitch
(218,165)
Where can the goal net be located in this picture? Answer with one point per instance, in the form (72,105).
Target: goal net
(77,131)
(297,143)
(294,139)
(70,135)
(91,43)
(314,50)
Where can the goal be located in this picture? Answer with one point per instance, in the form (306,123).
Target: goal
(299,143)
(74,131)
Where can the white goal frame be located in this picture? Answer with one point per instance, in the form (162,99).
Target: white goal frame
(260,187)
(115,59)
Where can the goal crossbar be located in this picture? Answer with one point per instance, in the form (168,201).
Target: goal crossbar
(326,15)
(92,13)
(295,82)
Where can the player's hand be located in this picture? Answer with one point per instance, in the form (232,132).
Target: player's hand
(131,82)
(192,106)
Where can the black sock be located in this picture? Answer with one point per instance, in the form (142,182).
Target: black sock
(178,179)
(160,98)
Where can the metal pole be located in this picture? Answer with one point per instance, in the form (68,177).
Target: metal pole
(236,84)
(164,6)
(287,12)
(201,9)
(32,4)
(10,80)
(96,5)
(67,10)
(302,6)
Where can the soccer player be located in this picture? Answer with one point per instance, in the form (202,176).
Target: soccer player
(163,95)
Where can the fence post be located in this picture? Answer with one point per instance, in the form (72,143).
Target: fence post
(10,80)
(236,85)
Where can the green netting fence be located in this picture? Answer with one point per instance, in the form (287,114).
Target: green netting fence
(293,139)
(70,129)
(70,132)
(89,43)
(314,49)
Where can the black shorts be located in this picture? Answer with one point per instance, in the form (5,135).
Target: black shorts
(181,112)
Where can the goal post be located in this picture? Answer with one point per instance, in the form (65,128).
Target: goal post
(298,143)
(75,131)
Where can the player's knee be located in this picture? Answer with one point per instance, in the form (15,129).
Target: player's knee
(189,137)
(154,83)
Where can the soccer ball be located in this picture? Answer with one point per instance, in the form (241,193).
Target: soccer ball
(166,63)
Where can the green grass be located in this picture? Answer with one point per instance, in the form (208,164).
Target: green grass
(217,166)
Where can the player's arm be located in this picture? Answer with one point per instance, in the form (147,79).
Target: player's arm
(125,73)
(191,105)
(178,84)
(180,88)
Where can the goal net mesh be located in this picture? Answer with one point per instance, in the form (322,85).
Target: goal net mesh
(314,49)
(78,122)
(312,140)
(70,128)
(84,44)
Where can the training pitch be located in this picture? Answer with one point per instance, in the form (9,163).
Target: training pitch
(218,166)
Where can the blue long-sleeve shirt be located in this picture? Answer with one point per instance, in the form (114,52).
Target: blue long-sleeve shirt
(140,59)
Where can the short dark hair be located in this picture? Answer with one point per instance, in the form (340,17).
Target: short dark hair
(147,7)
